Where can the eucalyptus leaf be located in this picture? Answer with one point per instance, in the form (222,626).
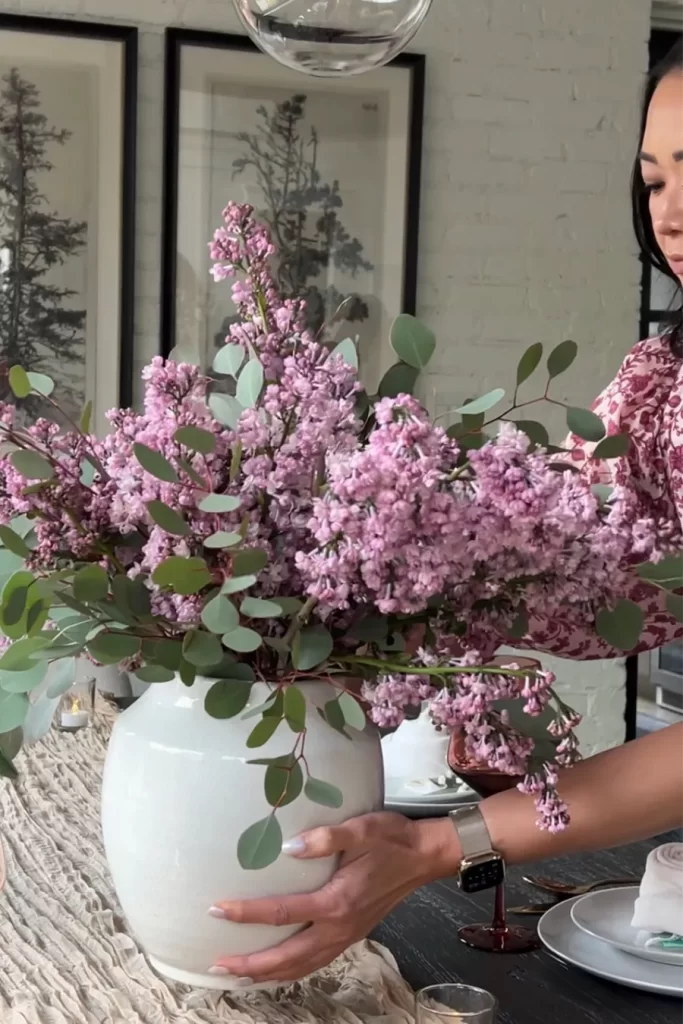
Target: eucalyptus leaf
(184,575)
(412,341)
(187,673)
(19,656)
(19,382)
(252,560)
(155,464)
(612,447)
(669,569)
(227,697)
(112,648)
(14,606)
(585,424)
(13,542)
(219,503)
(86,417)
(198,440)
(62,677)
(260,845)
(311,647)
(236,461)
(621,626)
(399,379)
(201,649)
(265,707)
(519,627)
(87,477)
(190,471)
(257,608)
(242,640)
(91,584)
(132,596)
(155,674)
(250,383)
(228,360)
(167,518)
(334,716)
(483,404)
(41,384)
(31,465)
(529,362)
(283,783)
(13,710)
(220,615)
(295,708)
(674,606)
(603,492)
(225,408)
(262,732)
(536,432)
(354,716)
(289,605)
(23,682)
(561,358)
(347,351)
(237,584)
(323,793)
(221,539)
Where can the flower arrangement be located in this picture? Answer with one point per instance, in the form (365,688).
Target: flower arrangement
(275,523)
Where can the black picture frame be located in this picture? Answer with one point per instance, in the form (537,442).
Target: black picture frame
(176,40)
(127,37)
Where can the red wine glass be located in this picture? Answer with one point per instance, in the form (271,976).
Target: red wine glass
(498,936)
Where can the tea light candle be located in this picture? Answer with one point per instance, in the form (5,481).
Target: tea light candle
(74,719)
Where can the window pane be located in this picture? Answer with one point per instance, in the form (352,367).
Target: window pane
(671,658)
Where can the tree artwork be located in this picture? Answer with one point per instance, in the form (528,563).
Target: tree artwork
(39,326)
(303,212)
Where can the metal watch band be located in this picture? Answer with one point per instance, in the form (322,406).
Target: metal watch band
(474,836)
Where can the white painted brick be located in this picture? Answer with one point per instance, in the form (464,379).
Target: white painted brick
(530,125)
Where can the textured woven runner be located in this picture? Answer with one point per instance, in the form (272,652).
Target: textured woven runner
(66,956)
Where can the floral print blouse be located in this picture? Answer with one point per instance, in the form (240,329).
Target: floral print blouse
(644,400)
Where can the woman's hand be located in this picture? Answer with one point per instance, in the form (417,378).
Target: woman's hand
(384,857)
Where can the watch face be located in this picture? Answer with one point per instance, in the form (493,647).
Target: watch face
(485,875)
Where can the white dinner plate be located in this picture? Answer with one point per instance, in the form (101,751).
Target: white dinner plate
(560,935)
(606,915)
(426,807)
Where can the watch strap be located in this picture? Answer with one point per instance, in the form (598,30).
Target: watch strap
(473,833)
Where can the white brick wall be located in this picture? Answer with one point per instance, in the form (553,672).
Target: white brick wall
(530,124)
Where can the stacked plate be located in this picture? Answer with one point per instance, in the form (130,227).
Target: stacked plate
(594,933)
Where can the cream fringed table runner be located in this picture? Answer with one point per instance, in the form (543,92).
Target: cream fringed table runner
(66,956)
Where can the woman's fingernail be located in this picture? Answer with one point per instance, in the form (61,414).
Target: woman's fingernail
(293,847)
(218,912)
(220,971)
(244,982)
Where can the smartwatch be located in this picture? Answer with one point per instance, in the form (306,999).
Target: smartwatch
(481,866)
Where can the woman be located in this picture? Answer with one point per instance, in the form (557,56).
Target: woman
(384,857)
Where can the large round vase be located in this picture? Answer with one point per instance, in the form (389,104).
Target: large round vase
(177,794)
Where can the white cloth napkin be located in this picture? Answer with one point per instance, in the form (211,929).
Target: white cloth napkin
(659,907)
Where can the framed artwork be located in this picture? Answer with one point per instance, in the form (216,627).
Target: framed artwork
(332,167)
(67,219)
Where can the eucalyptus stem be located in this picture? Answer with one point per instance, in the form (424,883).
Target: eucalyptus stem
(448,670)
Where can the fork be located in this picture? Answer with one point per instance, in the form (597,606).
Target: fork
(563,890)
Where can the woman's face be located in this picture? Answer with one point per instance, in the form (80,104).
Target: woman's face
(661,163)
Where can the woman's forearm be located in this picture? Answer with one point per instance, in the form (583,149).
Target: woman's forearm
(620,796)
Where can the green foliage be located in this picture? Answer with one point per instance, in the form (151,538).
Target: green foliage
(261,844)
(219,503)
(561,358)
(529,362)
(412,341)
(250,384)
(613,447)
(323,793)
(483,404)
(622,625)
(19,382)
(311,647)
(229,360)
(400,379)
(227,697)
(585,424)
(32,465)
(347,351)
(184,575)
(155,464)
(225,408)
(168,519)
(198,440)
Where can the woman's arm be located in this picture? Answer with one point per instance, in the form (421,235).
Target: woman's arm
(616,797)
(629,793)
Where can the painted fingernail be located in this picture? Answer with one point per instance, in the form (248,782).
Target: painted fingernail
(218,912)
(219,971)
(244,982)
(293,847)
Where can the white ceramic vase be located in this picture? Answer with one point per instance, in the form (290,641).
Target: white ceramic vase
(178,793)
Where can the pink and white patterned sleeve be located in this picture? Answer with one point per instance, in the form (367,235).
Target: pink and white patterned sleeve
(645,400)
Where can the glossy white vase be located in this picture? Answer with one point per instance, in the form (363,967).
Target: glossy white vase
(178,793)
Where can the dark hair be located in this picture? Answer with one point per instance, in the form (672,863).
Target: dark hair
(642,221)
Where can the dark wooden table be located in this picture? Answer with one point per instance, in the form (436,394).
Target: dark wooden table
(534,988)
